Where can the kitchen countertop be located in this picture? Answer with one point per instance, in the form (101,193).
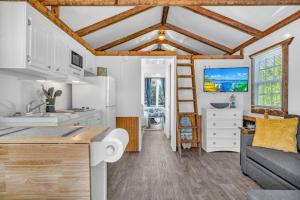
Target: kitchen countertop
(81,135)
(49,119)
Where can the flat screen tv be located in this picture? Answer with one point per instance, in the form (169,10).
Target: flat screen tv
(226,79)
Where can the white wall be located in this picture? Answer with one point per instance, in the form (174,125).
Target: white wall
(205,98)
(21,92)
(294,59)
(127,72)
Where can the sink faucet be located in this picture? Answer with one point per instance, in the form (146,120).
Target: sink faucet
(29,107)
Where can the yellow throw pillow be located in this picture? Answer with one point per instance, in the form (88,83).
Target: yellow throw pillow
(279,134)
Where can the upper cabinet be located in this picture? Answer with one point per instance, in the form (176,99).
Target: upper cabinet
(30,42)
(90,63)
(40,38)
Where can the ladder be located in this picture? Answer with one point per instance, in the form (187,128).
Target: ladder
(192,116)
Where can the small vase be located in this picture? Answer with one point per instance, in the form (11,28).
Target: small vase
(50,105)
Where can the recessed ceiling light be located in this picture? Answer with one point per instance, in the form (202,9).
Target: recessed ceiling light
(287,35)
(75,81)
(161,35)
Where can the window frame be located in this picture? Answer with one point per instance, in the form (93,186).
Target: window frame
(284,82)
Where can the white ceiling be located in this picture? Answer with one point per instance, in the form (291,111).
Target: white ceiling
(259,17)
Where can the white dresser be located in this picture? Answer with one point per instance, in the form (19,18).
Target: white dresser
(220,130)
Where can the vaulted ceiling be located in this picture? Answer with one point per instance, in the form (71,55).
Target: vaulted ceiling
(188,30)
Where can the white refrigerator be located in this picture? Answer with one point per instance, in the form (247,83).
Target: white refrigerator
(100,94)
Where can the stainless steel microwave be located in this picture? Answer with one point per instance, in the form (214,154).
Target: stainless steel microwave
(76,60)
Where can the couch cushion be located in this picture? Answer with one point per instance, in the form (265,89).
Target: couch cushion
(273,195)
(298,135)
(284,165)
(279,134)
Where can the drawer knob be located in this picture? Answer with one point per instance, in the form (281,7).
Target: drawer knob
(214,124)
(234,124)
(234,143)
(234,133)
(214,133)
(214,143)
(214,114)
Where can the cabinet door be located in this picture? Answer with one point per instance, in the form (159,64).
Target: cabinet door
(90,62)
(61,54)
(40,41)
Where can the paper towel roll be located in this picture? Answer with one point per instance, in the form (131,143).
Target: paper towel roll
(115,143)
(111,148)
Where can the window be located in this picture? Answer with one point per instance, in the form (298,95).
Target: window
(269,79)
(154,95)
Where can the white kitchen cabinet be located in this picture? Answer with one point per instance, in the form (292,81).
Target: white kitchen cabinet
(40,41)
(61,53)
(32,44)
(221,129)
(90,65)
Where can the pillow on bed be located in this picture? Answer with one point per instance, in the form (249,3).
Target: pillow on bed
(279,134)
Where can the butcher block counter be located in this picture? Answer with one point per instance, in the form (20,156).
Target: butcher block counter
(46,162)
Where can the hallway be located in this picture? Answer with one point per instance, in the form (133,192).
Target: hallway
(157,173)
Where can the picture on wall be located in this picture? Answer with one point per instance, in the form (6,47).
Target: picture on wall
(226,79)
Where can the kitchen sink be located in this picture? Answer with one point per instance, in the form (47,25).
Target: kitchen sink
(38,115)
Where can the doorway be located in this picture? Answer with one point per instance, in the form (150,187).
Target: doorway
(157,97)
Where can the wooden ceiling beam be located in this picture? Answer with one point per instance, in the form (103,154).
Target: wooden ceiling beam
(48,14)
(112,20)
(165,15)
(223,19)
(268,31)
(136,53)
(218,57)
(129,37)
(167,2)
(198,38)
(173,44)
(147,44)
(55,10)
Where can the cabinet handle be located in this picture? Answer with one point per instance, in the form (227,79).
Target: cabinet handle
(234,124)
(214,124)
(57,69)
(76,74)
(234,143)
(214,134)
(49,67)
(234,133)
(234,114)
(214,143)
(214,114)
(76,124)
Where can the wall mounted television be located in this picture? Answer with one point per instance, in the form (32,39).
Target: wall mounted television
(226,79)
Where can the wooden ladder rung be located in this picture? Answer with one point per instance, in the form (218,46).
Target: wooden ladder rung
(185,100)
(185,76)
(187,113)
(184,64)
(185,88)
(189,141)
(186,127)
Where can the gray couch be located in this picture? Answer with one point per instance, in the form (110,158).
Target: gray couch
(271,169)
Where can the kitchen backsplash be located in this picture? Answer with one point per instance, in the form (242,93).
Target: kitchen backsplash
(18,92)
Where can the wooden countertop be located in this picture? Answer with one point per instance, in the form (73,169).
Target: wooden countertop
(85,136)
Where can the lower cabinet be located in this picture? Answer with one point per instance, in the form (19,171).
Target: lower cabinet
(221,129)
(131,125)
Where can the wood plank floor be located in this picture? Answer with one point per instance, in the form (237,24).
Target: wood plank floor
(157,173)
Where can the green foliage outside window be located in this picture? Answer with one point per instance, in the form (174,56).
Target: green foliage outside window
(268,76)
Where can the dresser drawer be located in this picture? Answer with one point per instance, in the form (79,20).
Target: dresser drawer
(223,142)
(224,133)
(224,123)
(224,114)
